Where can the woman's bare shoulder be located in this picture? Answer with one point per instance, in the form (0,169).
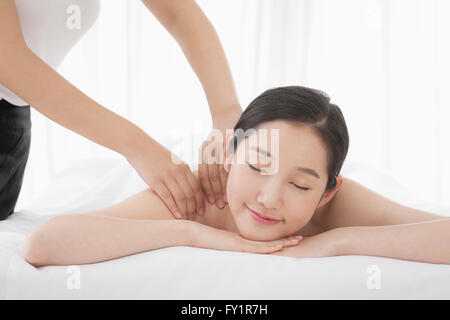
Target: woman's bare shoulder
(145,204)
(142,205)
(356,205)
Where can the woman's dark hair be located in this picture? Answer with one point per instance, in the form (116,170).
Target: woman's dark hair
(303,105)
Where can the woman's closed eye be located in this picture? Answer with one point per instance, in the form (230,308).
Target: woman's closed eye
(259,170)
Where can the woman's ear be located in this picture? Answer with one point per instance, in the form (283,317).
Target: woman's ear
(227,154)
(330,194)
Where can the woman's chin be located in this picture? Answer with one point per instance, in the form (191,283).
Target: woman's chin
(254,235)
(250,230)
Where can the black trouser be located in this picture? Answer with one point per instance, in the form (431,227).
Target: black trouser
(15,138)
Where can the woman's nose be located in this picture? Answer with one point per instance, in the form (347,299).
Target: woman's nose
(270,195)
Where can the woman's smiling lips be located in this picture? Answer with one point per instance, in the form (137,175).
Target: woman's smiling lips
(261,218)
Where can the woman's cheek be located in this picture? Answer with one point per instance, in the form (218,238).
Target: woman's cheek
(236,183)
(297,219)
(233,192)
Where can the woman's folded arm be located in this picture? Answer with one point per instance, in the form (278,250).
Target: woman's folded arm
(82,239)
(426,241)
(91,238)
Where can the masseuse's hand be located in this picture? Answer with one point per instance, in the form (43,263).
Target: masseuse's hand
(211,171)
(174,183)
(203,236)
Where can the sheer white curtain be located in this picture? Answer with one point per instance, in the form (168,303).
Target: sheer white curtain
(382,61)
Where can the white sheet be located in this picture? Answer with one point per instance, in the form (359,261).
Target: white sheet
(194,273)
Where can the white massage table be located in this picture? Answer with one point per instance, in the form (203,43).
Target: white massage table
(195,273)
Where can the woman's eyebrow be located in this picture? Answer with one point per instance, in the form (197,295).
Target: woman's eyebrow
(309,171)
(262,151)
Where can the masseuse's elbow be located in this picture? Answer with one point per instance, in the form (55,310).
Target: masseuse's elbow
(3,69)
(11,58)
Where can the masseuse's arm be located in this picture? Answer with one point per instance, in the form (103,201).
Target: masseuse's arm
(39,85)
(190,27)
(25,74)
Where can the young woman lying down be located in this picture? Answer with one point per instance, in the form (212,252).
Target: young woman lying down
(285,197)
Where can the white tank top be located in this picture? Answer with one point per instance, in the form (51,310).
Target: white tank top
(51,28)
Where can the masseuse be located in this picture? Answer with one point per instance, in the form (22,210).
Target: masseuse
(36,35)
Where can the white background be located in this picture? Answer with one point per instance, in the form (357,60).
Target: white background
(385,63)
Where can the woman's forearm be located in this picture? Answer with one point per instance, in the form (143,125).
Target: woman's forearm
(81,238)
(200,43)
(427,241)
(45,90)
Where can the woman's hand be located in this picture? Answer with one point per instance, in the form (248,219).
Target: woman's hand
(169,177)
(324,244)
(211,171)
(203,236)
